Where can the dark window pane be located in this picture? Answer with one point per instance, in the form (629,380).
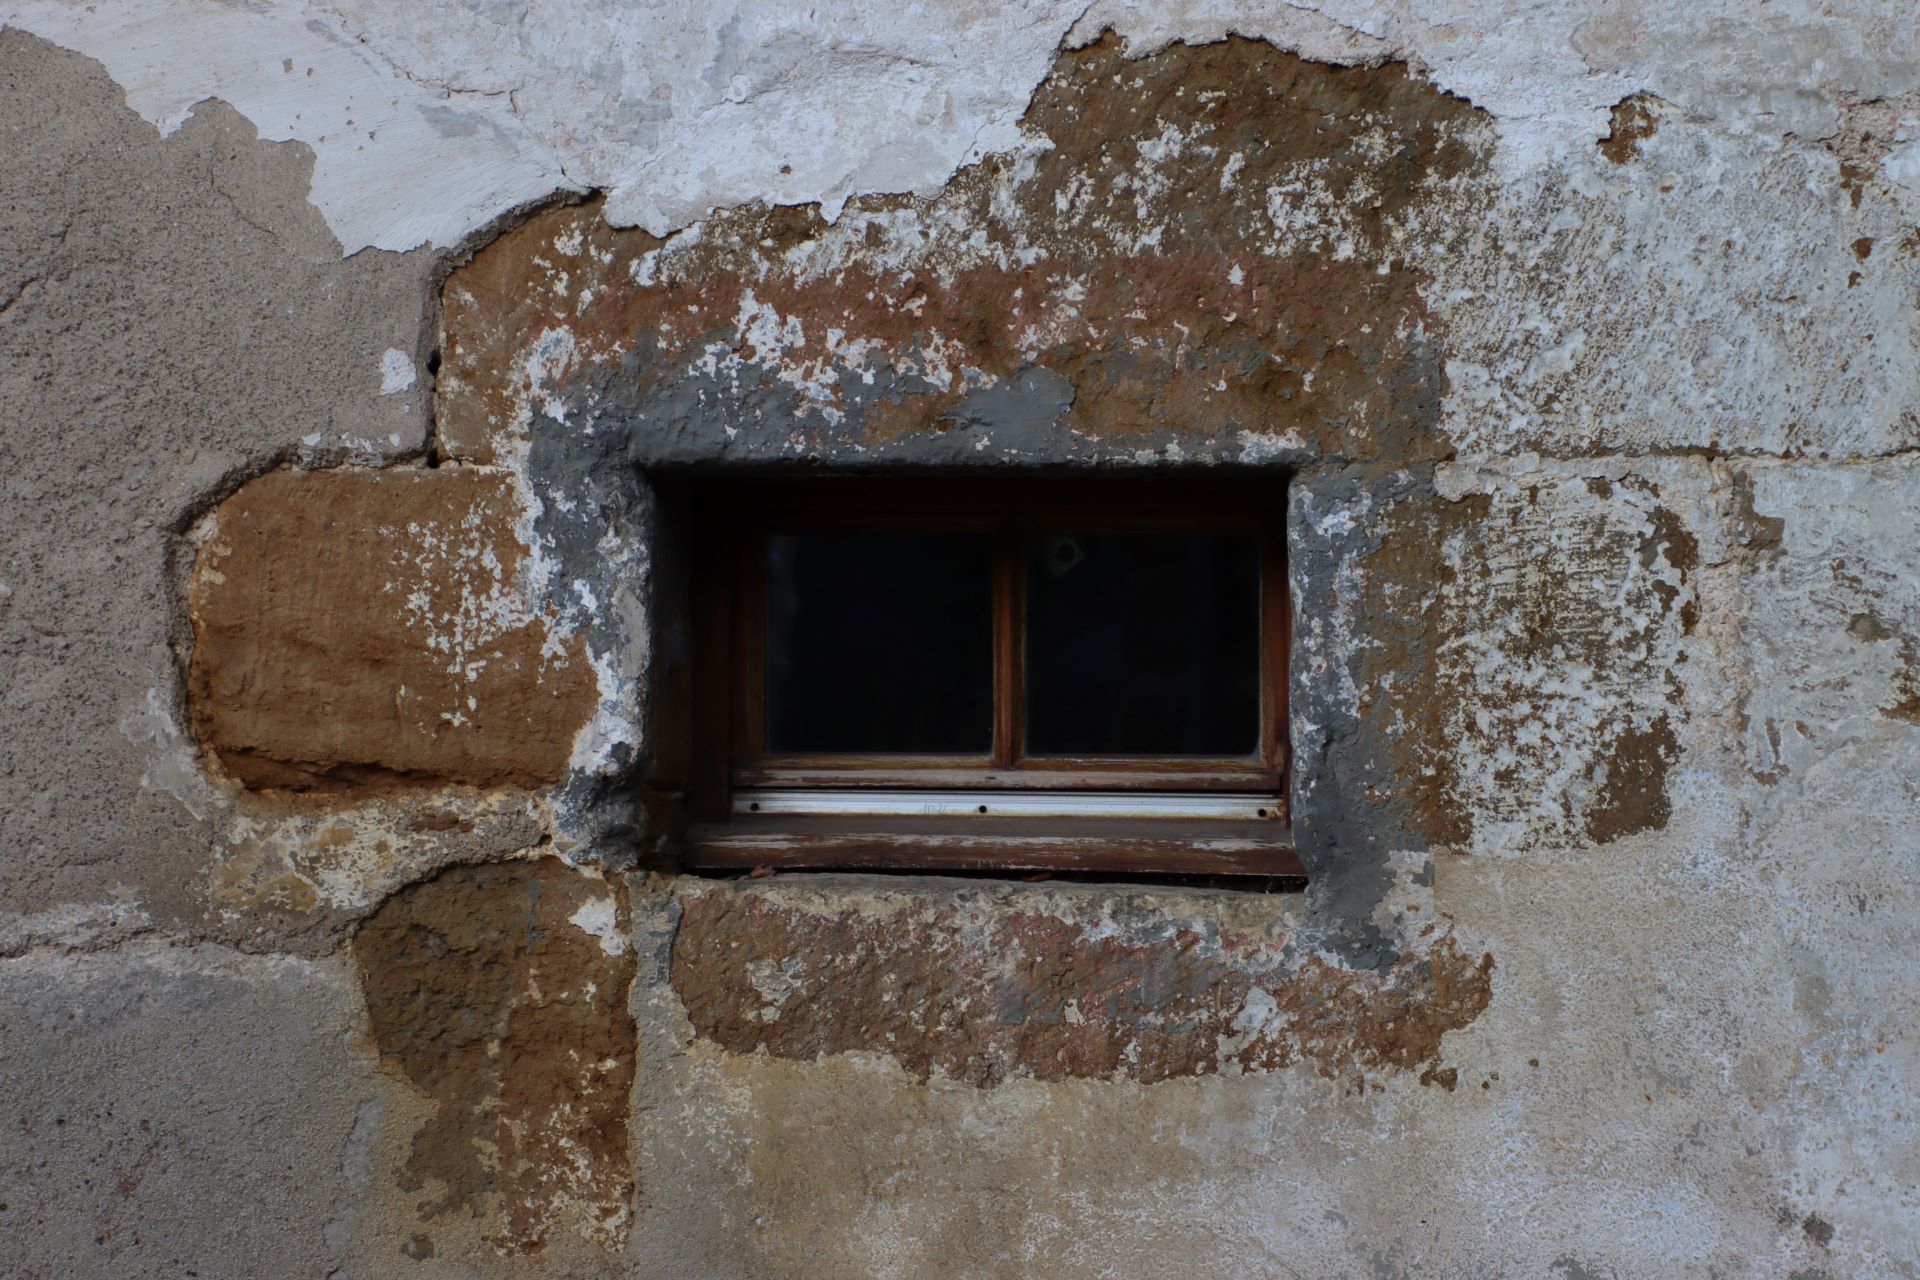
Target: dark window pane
(1143,645)
(880,643)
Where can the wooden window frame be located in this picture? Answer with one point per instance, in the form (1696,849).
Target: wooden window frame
(731,521)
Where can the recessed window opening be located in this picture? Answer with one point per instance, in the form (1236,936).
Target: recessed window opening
(908,673)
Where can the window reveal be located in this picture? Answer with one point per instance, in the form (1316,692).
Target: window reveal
(1025,674)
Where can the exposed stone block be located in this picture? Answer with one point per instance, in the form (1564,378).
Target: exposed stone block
(1832,640)
(1497,661)
(1138,989)
(1827,724)
(373,628)
(1561,640)
(1605,701)
(500,992)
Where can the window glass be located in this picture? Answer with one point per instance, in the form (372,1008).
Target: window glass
(880,643)
(1143,644)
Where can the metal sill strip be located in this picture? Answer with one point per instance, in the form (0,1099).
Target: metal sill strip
(1119,805)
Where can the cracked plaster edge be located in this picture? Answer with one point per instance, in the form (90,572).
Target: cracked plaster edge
(78,926)
(500,165)
(578,822)
(1410,924)
(175,763)
(170,954)
(169,60)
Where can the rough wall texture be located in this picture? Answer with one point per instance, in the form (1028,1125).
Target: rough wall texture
(1142,273)
(501,993)
(354,629)
(1580,342)
(180,1110)
(981,991)
(173,317)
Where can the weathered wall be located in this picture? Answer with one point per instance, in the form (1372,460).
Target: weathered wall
(334,942)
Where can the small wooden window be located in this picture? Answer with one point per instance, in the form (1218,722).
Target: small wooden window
(1028,674)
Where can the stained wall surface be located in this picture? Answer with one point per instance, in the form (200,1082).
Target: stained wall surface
(340,930)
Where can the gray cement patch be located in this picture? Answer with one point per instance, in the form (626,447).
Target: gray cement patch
(174,1112)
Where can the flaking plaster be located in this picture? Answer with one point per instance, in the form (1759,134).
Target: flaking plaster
(1610,680)
(429,121)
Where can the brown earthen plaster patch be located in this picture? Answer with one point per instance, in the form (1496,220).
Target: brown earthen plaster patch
(487,995)
(982,997)
(369,629)
(1634,121)
(1193,245)
(1410,584)
(1906,684)
(1633,794)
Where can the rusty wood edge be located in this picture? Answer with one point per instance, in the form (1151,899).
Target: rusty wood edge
(728,847)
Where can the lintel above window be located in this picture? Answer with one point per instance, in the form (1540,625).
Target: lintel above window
(991,673)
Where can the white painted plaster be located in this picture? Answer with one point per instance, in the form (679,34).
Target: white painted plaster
(396,374)
(1903,166)
(397,163)
(429,120)
(601,918)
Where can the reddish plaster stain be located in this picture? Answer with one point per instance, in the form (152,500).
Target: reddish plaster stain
(1032,994)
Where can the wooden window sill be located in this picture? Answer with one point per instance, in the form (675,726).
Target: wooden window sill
(1211,847)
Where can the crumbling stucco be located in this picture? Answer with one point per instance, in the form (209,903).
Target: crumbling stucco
(1142,273)
(1599,492)
(173,317)
(1545,703)
(425,130)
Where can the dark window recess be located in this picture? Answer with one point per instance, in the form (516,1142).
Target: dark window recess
(1143,644)
(879,643)
(1083,676)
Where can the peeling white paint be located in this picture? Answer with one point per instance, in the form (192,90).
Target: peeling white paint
(601,918)
(396,375)
(173,761)
(427,121)
(397,163)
